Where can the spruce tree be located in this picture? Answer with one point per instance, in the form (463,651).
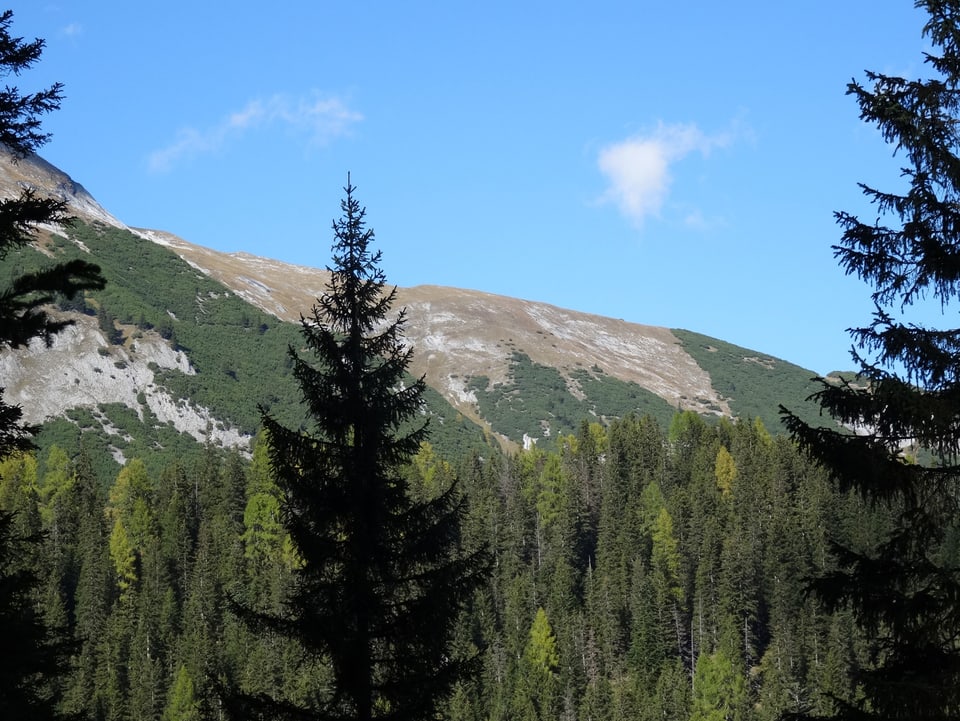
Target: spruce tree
(382,577)
(898,437)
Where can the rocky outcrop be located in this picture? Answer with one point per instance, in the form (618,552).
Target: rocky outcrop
(80,370)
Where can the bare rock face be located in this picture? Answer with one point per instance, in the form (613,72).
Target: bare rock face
(80,370)
(35,173)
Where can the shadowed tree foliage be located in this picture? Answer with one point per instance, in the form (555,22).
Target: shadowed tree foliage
(31,656)
(382,578)
(905,404)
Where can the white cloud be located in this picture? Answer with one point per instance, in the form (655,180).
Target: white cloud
(638,169)
(72,30)
(321,119)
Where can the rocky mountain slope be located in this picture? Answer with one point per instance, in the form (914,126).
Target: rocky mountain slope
(458,334)
(465,342)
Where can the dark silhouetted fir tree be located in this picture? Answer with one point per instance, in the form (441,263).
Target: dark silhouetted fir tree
(904,590)
(382,578)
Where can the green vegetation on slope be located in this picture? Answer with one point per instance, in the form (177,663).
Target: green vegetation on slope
(239,352)
(240,355)
(124,435)
(755,385)
(539,402)
(611,397)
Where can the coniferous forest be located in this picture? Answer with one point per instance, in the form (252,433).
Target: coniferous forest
(637,573)
(348,569)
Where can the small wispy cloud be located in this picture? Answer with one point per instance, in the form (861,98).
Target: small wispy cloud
(321,119)
(638,169)
(72,30)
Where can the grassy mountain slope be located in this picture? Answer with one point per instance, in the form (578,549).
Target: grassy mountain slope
(524,368)
(237,354)
(195,339)
(754,384)
(538,402)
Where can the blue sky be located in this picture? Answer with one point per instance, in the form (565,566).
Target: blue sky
(674,164)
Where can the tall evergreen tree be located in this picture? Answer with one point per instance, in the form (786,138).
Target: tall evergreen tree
(905,591)
(382,577)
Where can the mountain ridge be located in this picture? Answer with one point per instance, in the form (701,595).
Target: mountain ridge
(470,345)
(447,349)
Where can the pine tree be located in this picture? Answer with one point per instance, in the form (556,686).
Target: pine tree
(183,704)
(94,586)
(538,683)
(905,592)
(541,651)
(719,690)
(382,577)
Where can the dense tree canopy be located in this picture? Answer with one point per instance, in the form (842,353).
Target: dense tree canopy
(626,567)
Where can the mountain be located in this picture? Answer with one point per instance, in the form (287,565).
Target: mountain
(188,340)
